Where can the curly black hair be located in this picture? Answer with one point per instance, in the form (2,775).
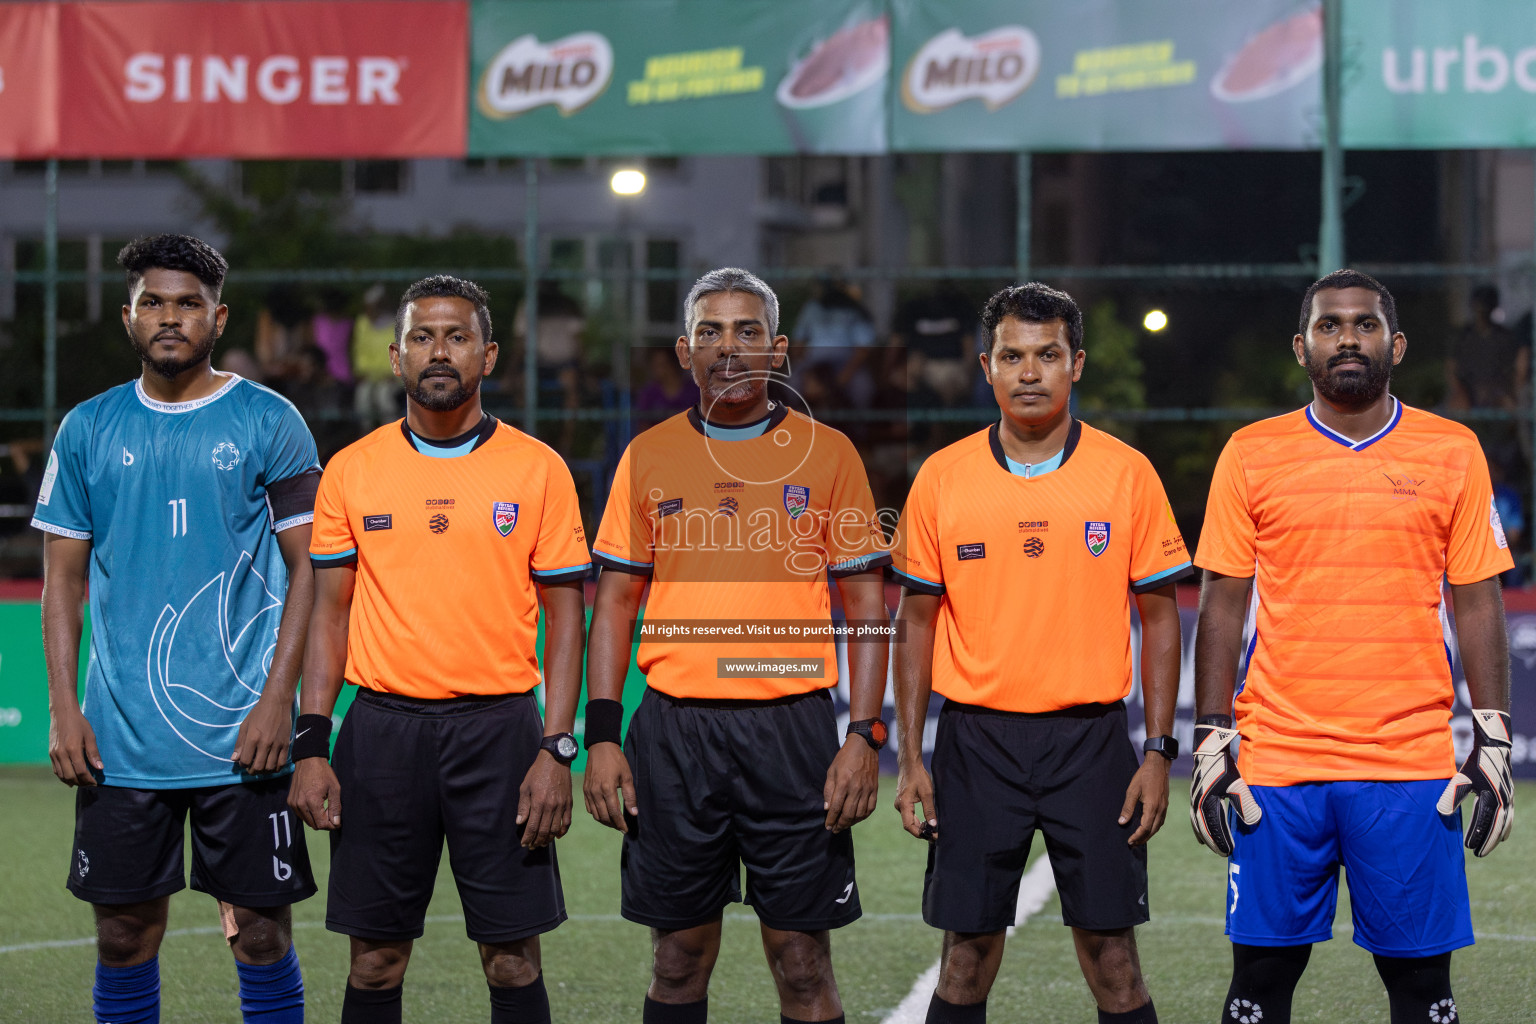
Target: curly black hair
(446,286)
(1348,279)
(173,252)
(1033,303)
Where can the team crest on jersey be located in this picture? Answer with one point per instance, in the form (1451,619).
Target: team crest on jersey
(1096,536)
(226,456)
(796,500)
(504,516)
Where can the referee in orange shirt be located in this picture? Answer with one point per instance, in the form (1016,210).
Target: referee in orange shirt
(735,513)
(1019,552)
(436,540)
(1336,539)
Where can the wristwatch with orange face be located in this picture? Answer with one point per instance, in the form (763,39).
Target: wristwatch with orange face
(872,729)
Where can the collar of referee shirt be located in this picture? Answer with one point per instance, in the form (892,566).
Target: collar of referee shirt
(744,432)
(1074,434)
(465,443)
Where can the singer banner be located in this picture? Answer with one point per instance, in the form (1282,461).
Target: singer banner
(29,80)
(310,78)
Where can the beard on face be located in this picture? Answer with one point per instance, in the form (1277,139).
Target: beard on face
(445,400)
(170,368)
(1359,388)
(739,392)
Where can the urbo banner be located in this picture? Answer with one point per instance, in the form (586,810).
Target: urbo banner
(381,78)
(29,98)
(1106,74)
(657,76)
(1430,75)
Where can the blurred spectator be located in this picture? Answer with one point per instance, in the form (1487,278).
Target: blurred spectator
(1487,360)
(667,391)
(834,329)
(557,351)
(332,330)
(1488,368)
(377,398)
(282,332)
(320,399)
(239,361)
(938,331)
(26,455)
(1511,511)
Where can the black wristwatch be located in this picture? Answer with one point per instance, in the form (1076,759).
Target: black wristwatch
(561,746)
(872,729)
(1165,745)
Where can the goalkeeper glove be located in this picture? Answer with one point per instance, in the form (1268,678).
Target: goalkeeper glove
(1216,778)
(1486,773)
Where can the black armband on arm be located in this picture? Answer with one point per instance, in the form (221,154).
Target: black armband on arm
(605,723)
(292,501)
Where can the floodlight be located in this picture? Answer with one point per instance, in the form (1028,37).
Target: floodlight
(628,182)
(1156,320)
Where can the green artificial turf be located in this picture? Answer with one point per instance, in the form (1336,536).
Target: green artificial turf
(597,966)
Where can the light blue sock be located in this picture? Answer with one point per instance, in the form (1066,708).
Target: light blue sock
(274,993)
(127,995)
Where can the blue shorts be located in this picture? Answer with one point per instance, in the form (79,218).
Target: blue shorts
(1407,873)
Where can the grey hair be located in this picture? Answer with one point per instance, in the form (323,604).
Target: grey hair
(730,279)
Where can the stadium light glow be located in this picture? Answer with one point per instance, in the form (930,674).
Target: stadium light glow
(628,182)
(1155,320)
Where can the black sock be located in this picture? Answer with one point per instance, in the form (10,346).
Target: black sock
(1144,1014)
(1263,981)
(839,1019)
(941,1012)
(371,1005)
(1418,988)
(526,1004)
(675,1013)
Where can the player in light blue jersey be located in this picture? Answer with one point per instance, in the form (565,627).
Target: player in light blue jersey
(185,499)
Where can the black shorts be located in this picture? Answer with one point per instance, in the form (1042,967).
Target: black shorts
(725,783)
(247,847)
(414,772)
(999,776)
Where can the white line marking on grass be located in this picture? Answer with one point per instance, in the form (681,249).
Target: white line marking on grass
(1034,890)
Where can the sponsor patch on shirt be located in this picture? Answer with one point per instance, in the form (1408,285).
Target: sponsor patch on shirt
(378,522)
(966,552)
(1497,524)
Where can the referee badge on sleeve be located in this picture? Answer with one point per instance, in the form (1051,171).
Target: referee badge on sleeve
(504,516)
(1096,536)
(1496,524)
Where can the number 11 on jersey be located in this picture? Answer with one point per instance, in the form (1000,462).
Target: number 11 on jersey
(181,504)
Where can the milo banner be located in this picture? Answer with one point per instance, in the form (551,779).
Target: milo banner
(1427,74)
(557,78)
(1106,74)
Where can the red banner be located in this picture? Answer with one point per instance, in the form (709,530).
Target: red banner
(29,80)
(381,78)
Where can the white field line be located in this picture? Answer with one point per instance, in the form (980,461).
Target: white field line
(1034,890)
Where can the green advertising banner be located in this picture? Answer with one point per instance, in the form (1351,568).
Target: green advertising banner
(1106,74)
(573,77)
(24,685)
(1426,74)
